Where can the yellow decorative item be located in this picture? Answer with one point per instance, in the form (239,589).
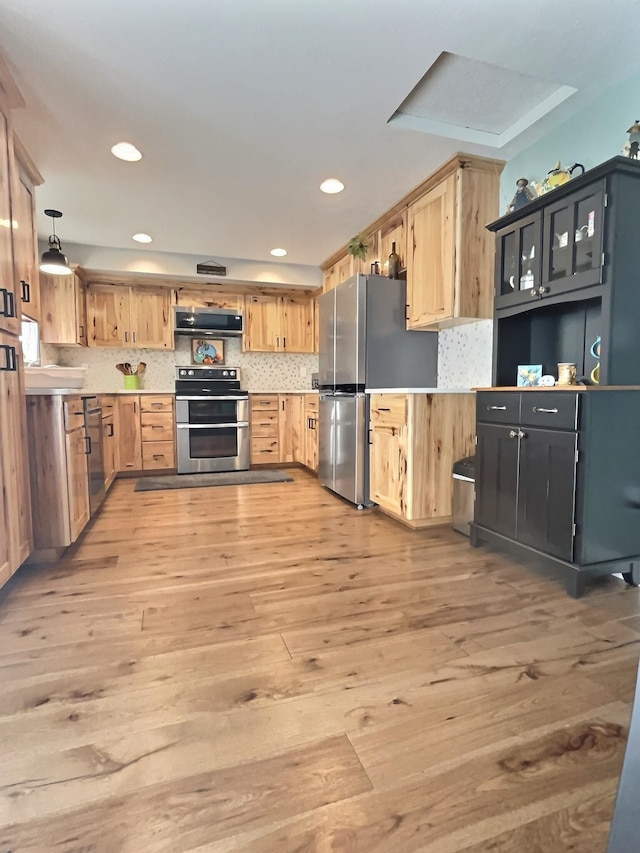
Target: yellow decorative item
(595,374)
(557,177)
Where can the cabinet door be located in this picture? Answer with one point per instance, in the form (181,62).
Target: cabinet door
(77,481)
(546,491)
(291,428)
(150,320)
(109,450)
(14,466)
(296,324)
(388,467)
(330,278)
(62,310)
(393,231)
(431,256)
(128,433)
(108,315)
(193,297)
(519,262)
(9,297)
(344,268)
(26,246)
(261,324)
(497,478)
(573,241)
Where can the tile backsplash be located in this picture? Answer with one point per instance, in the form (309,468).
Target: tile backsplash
(464,361)
(260,371)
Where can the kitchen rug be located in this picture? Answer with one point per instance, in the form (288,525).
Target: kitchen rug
(199,481)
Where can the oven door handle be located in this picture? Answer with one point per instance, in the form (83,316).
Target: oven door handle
(241,425)
(200,397)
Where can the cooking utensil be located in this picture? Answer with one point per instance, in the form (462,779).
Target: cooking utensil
(127,368)
(121,368)
(141,368)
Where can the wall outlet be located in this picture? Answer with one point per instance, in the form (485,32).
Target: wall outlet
(303,371)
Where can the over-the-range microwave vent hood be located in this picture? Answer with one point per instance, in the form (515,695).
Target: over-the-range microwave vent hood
(208,322)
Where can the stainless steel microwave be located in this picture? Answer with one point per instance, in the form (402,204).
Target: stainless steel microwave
(208,322)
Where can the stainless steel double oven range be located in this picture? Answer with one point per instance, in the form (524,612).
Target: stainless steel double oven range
(212,420)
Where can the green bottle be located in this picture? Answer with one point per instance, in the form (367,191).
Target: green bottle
(394,262)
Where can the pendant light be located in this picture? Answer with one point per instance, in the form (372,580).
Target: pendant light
(53,261)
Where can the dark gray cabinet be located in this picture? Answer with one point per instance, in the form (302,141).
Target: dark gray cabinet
(558,479)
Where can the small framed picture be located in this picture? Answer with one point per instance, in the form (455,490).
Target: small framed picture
(207,351)
(528,375)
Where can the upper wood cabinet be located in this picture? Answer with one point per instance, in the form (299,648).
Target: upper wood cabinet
(450,261)
(25,239)
(123,316)
(9,294)
(279,324)
(440,235)
(211,297)
(63,313)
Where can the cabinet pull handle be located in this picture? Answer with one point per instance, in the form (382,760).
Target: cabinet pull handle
(113,432)
(11,362)
(134,337)
(158,455)
(406,312)
(496,408)
(126,337)
(8,303)
(277,342)
(87,439)
(155,426)
(157,404)
(283,405)
(135,406)
(81,331)
(369,437)
(545,411)
(265,402)
(381,409)
(513,433)
(284,343)
(521,434)
(26,291)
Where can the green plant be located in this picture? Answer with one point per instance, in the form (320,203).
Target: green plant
(358,246)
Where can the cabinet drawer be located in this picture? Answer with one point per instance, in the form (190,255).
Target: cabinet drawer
(311,404)
(557,409)
(264,424)
(389,409)
(157,427)
(107,404)
(265,447)
(150,403)
(499,407)
(73,414)
(264,402)
(157,454)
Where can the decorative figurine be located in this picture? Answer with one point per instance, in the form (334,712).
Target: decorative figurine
(524,194)
(558,176)
(632,148)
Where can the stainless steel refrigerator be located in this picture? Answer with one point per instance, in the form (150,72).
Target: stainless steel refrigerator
(363,344)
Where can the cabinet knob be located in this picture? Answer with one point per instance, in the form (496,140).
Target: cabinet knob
(513,433)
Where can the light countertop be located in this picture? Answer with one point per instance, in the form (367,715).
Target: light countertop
(419,391)
(293,391)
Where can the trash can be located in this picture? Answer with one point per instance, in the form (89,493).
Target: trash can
(464,484)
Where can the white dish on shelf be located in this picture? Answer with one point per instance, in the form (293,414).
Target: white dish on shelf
(52,376)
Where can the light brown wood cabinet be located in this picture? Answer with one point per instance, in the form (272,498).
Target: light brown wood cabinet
(25,239)
(311,415)
(330,278)
(279,324)
(209,297)
(265,429)
(415,439)
(15,509)
(449,258)
(9,292)
(58,470)
(109,449)
(136,317)
(145,432)
(291,433)
(63,313)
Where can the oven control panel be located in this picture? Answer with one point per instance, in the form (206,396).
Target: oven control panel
(207,373)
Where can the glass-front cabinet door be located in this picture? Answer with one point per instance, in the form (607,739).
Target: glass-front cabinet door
(573,241)
(518,261)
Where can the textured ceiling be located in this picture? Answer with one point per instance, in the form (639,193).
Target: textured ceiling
(242,107)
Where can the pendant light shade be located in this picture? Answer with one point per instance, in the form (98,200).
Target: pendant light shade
(53,260)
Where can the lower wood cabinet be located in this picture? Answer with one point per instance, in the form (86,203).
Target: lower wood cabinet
(109,450)
(15,506)
(415,439)
(284,429)
(58,470)
(145,432)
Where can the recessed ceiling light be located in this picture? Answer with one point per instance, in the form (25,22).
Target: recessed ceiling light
(332,185)
(279,253)
(142,238)
(126,151)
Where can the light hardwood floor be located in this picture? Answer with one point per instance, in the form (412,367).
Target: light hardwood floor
(264,669)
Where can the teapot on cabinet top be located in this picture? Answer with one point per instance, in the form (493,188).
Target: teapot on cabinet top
(557,177)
